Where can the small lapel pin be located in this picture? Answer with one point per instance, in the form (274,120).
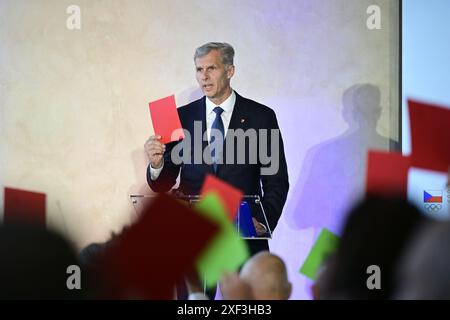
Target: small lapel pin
(242,120)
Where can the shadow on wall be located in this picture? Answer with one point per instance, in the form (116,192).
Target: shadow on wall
(333,173)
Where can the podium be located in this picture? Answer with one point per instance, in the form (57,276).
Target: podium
(250,207)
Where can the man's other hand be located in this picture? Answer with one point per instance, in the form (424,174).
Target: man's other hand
(155,151)
(260,230)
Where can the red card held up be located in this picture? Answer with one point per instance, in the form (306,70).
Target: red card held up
(24,206)
(165,119)
(229,195)
(430,136)
(147,259)
(387,174)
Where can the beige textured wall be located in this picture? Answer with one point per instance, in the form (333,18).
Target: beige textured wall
(73,104)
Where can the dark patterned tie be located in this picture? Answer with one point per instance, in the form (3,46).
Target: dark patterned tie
(217,145)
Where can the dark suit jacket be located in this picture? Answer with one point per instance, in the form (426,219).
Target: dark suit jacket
(247,114)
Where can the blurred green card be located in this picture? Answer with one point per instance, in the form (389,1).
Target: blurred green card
(326,244)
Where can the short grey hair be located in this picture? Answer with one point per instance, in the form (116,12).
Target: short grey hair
(225,49)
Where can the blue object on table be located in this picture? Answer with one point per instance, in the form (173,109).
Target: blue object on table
(244,221)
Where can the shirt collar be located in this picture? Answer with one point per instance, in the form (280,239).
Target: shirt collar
(227,105)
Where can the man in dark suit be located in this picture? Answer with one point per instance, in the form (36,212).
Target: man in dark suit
(227,135)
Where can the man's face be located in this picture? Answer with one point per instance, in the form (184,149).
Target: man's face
(213,77)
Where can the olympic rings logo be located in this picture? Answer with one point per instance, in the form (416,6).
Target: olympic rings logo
(432,207)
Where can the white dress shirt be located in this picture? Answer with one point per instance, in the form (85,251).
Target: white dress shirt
(227,106)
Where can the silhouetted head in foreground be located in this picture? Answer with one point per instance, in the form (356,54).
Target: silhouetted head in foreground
(34,263)
(424,270)
(374,237)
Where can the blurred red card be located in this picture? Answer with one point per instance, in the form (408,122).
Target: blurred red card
(387,174)
(24,206)
(229,195)
(150,257)
(165,119)
(430,136)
